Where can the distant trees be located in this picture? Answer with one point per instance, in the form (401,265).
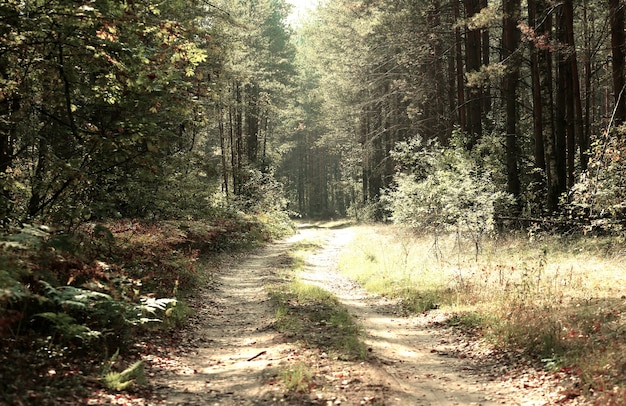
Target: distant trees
(529,91)
(254,95)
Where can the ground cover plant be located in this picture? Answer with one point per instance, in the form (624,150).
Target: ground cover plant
(73,304)
(556,300)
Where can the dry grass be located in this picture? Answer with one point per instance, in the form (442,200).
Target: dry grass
(559,300)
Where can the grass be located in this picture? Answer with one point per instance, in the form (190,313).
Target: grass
(556,299)
(297,378)
(314,316)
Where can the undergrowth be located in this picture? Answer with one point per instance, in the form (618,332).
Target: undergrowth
(556,300)
(67,299)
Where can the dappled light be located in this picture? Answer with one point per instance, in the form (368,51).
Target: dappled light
(312,202)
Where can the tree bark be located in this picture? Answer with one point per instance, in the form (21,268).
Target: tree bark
(548,125)
(486,53)
(538,137)
(222,133)
(560,119)
(252,123)
(460,74)
(473,62)
(618,39)
(511,58)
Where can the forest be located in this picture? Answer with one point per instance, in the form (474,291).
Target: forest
(139,138)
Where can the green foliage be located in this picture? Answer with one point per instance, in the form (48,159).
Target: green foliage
(110,98)
(119,381)
(87,315)
(444,189)
(261,192)
(598,199)
(65,326)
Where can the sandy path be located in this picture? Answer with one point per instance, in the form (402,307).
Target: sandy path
(232,345)
(232,355)
(402,348)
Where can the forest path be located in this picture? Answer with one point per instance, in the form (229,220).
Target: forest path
(231,354)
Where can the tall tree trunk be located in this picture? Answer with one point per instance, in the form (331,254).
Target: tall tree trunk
(252,123)
(224,152)
(535,50)
(511,58)
(438,101)
(239,142)
(577,108)
(461,108)
(486,53)
(560,118)
(9,103)
(545,45)
(618,39)
(473,62)
(574,115)
(232,112)
(588,72)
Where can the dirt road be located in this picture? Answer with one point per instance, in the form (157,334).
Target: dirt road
(231,354)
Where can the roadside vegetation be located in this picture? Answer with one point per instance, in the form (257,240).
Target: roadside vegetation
(74,304)
(556,300)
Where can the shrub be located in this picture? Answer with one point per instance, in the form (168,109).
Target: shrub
(599,197)
(443,189)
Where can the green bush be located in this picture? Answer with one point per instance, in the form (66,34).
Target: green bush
(599,198)
(443,189)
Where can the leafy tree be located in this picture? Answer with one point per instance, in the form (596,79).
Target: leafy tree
(107,96)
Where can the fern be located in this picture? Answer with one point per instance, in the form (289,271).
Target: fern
(118,381)
(65,326)
(105,315)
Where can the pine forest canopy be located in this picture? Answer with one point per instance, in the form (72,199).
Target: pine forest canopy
(437,113)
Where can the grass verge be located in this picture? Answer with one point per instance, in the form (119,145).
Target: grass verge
(314,316)
(560,301)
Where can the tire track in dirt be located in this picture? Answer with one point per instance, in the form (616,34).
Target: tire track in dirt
(231,355)
(232,347)
(416,362)
(400,347)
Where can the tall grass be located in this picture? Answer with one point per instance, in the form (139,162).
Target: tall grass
(556,299)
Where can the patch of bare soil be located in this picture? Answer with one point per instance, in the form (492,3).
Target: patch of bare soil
(231,355)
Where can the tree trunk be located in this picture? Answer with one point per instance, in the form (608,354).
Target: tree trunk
(473,62)
(460,74)
(577,109)
(535,50)
(560,119)
(239,143)
(511,58)
(543,29)
(220,117)
(618,39)
(252,123)
(486,51)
